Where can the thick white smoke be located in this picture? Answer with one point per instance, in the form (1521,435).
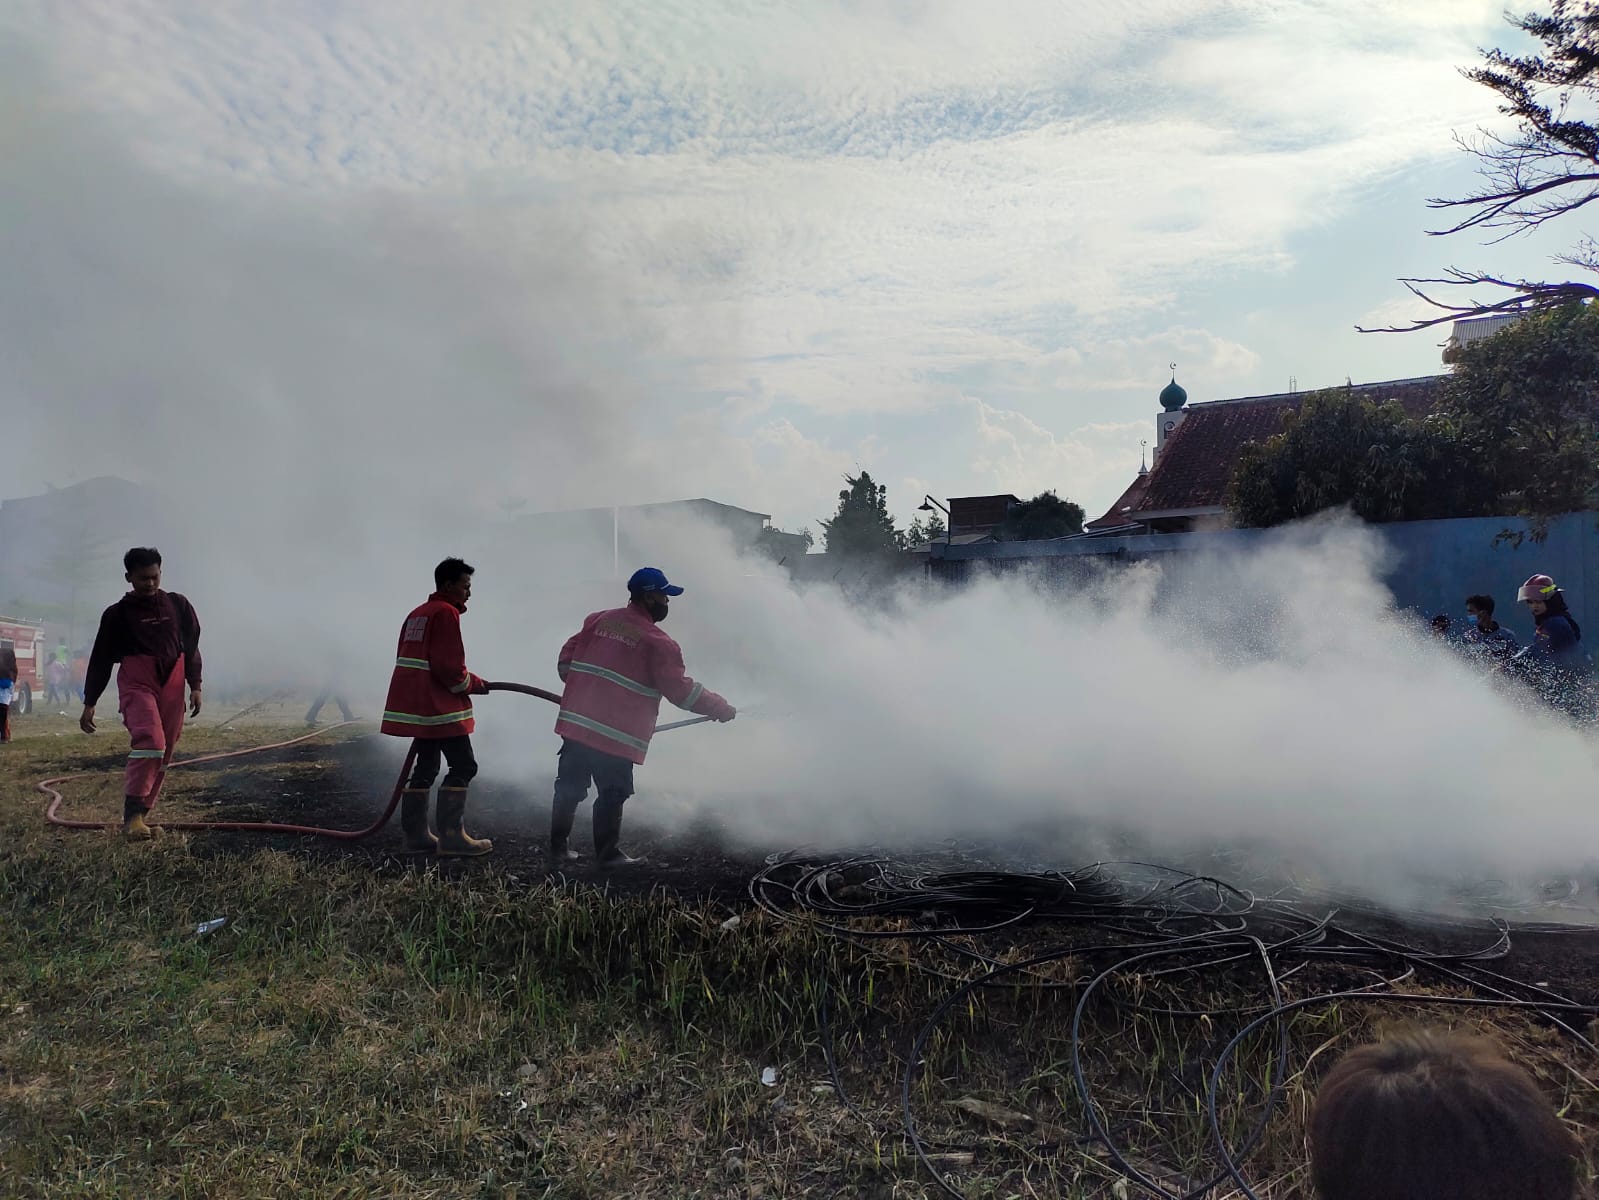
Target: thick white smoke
(1273,699)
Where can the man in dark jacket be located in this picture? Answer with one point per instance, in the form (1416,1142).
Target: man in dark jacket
(155,636)
(1485,634)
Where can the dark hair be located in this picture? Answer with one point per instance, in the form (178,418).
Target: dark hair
(448,571)
(140,557)
(1483,604)
(1555,606)
(1423,1116)
(1441,621)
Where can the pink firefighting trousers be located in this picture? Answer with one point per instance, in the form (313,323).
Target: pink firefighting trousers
(152,709)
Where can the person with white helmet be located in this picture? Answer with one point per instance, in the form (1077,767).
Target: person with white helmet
(1556,658)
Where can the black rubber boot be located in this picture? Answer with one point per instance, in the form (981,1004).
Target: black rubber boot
(562,814)
(608,833)
(414,821)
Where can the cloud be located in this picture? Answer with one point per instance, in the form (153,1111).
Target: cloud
(1089,464)
(1128,363)
(771,462)
(842,203)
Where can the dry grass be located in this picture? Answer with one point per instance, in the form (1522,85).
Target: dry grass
(355,1034)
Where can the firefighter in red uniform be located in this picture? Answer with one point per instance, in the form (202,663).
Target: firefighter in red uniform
(429,701)
(616,670)
(155,635)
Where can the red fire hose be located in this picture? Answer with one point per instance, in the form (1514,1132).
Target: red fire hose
(52,813)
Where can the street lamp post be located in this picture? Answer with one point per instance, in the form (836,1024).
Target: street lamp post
(926,506)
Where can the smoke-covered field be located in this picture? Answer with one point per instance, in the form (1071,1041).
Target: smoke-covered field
(339,390)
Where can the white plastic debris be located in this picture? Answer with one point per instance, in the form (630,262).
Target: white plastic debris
(205,927)
(769,1076)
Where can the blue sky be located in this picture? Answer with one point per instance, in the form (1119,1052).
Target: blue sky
(953,244)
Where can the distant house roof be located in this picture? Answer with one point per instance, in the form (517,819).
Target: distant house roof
(1473,329)
(1191,474)
(1120,513)
(699,501)
(661,507)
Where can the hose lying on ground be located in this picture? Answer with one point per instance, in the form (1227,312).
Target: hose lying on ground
(52,813)
(53,817)
(1157,923)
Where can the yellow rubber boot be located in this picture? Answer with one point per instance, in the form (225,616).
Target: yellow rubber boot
(134,828)
(454,841)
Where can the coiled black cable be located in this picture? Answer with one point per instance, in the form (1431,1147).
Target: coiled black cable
(1192,924)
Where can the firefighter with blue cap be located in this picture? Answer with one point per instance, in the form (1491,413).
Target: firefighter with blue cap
(616,670)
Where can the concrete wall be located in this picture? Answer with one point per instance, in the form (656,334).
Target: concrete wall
(1433,567)
(1440,563)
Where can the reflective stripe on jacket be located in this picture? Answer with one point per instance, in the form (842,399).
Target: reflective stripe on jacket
(430,688)
(617,669)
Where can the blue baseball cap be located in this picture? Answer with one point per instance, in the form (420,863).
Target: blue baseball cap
(651,579)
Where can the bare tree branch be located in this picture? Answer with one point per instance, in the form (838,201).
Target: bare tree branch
(1527,297)
(1547,168)
(1511,208)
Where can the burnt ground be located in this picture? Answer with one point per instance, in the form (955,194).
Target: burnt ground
(347,784)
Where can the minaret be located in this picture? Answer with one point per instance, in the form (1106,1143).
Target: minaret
(1172,399)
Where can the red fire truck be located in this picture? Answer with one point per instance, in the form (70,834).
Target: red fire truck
(27,639)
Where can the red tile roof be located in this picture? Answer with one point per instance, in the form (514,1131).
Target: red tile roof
(1198,458)
(1120,513)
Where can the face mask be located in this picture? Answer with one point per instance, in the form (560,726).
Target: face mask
(657,610)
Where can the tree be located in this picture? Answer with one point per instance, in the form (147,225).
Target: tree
(923,532)
(1546,168)
(1516,433)
(1522,404)
(1046,515)
(1339,449)
(862,527)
